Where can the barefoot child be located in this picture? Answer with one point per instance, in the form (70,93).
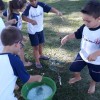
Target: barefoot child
(89,33)
(34,14)
(10,64)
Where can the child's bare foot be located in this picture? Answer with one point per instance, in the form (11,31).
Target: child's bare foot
(91,89)
(27,64)
(74,80)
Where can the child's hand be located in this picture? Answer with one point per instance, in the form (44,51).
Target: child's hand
(33,22)
(59,13)
(63,40)
(13,21)
(92,57)
(38,78)
(35,78)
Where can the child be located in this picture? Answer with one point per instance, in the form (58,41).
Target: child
(33,14)
(89,33)
(11,65)
(2,24)
(13,13)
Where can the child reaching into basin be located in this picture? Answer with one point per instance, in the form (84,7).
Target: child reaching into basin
(10,64)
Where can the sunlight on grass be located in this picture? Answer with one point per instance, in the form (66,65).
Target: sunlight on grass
(75,16)
(59,53)
(65,25)
(6,0)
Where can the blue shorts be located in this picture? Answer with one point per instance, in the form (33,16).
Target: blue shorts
(37,38)
(94,70)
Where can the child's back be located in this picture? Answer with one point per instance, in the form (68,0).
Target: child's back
(7,65)
(11,67)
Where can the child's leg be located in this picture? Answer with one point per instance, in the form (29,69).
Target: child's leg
(41,54)
(21,55)
(40,49)
(94,71)
(36,54)
(91,89)
(76,67)
(76,78)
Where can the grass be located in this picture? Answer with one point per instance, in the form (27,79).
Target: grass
(52,25)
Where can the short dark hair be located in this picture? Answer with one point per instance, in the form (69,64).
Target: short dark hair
(92,8)
(11,35)
(2,6)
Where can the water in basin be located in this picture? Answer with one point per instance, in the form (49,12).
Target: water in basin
(40,92)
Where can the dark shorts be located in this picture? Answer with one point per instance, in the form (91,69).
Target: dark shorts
(37,38)
(94,70)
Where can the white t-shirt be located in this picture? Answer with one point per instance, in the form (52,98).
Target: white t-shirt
(11,68)
(90,43)
(37,14)
(7,78)
(2,26)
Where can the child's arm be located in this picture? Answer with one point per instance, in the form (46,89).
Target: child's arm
(57,12)
(77,35)
(10,22)
(35,78)
(33,22)
(93,56)
(67,38)
(20,71)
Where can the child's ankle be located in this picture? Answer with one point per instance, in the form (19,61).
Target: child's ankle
(74,80)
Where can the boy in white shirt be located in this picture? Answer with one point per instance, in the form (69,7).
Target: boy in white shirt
(11,67)
(89,33)
(34,15)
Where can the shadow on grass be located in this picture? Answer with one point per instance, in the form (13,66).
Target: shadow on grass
(67,6)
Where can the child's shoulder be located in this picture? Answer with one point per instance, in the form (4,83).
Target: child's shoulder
(15,60)
(13,57)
